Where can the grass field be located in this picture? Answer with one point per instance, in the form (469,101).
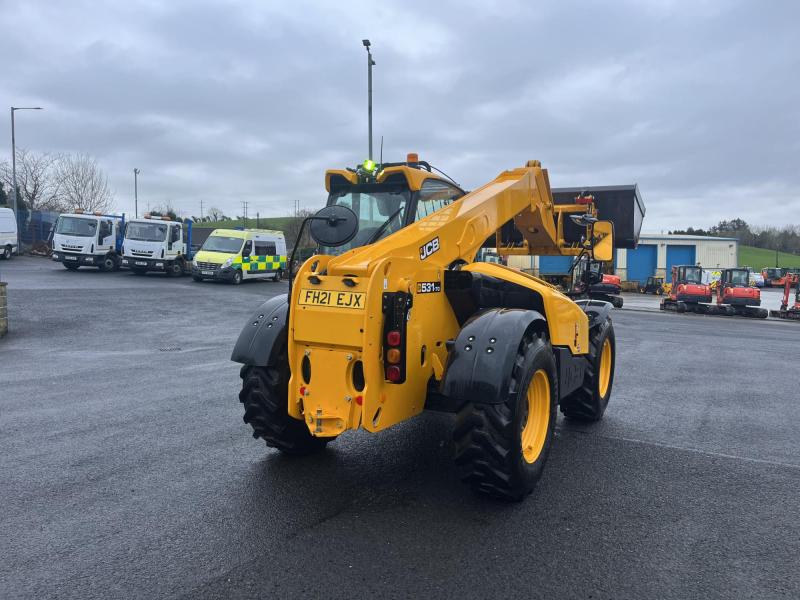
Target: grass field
(278,223)
(758,258)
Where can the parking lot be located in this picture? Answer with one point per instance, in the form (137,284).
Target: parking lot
(127,470)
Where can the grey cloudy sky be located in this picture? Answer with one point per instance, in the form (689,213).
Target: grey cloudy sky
(698,102)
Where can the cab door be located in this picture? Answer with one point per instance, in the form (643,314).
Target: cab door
(248,261)
(105,235)
(174,241)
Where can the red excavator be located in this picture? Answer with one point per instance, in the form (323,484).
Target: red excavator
(735,295)
(595,284)
(789,311)
(773,276)
(688,292)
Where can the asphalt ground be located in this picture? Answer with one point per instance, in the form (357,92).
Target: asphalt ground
(126,469)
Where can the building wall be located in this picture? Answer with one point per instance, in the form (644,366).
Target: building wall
(709,252)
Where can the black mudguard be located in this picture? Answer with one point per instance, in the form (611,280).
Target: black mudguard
(481,360)
(264,334)
(596,310)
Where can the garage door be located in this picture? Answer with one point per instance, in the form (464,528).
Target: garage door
(642,262)
(554,265)
(679,255)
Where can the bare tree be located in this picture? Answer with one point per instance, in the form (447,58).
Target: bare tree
(82,184)
(37,179)
(292,229)
(214,213)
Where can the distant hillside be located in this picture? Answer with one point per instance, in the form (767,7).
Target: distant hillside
(758,258)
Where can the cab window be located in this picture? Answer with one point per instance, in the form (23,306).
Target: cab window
(105,230)
(247,250)
(434,195)
(176,233)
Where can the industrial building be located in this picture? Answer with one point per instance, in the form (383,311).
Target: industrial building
(655,255)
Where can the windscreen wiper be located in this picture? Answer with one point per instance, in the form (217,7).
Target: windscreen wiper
(378,232)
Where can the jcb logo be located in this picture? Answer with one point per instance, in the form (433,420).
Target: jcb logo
(429,248)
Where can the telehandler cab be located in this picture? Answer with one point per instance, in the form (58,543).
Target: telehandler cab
(393,317)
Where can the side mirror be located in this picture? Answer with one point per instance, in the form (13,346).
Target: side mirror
(603,241)
(333,226)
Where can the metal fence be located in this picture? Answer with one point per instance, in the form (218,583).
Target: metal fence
(35,227)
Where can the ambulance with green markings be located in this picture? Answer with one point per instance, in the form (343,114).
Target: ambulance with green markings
(236,255)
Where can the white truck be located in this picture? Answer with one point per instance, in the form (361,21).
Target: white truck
(88,240)
(157,244)
(8,233)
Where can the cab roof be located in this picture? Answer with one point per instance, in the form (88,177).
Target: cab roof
(413,174)
(244,233)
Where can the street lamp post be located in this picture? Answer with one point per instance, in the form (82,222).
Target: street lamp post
(370,64)
(136,192)
(14,163)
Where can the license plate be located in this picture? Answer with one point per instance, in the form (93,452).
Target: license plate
(207,272)
(332,298)
(70,258)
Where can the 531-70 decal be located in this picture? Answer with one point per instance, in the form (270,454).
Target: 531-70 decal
(429,287)
(429,248)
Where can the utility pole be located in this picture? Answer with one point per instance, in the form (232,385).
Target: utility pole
(370,64)
(244,216)
(258,222)
(14,165)
(136,192)
(201,209)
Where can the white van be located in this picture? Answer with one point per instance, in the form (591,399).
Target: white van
(8,233)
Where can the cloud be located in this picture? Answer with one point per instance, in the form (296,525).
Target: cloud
(248,100)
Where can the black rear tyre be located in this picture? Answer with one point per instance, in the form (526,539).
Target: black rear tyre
(175,269)
(109,263)
(264,395)
(589,402)
(491,451)
(7,253)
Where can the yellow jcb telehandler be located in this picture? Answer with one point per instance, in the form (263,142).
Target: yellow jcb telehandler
(393,316)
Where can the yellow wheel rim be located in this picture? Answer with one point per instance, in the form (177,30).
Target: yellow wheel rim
(534,431)
(605,368)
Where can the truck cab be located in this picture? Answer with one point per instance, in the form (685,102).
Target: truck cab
(93,240)
(157,244)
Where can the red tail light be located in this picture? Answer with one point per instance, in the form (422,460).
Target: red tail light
(393,338)
(394,374)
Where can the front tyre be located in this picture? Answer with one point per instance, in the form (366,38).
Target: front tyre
(7,253)
(501,449)
(264,395)
(589,402)
(237,277)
